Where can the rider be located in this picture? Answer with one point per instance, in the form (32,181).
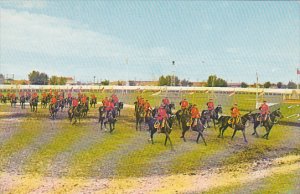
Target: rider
(83,100)
(74,103)
(264,111)
(235,113)
(184,105)
(53,100)
(210,106)
(166,101)
(161,117)
(195,115)
(115,99)
(105,102)
(110,107)
(147,107)
(141,102)
(44,95)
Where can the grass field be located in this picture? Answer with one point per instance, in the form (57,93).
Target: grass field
(38,154)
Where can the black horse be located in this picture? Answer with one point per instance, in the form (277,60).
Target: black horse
(85,109)
(102,115)
(93,102)
(13,101)
(139,116)
(61,104)
(3,99)
(268,123)
(111,119)
(53,109)
(181,112)
(34,104)
(212,115)
(44,102)
(76,113)
(118,107)
(69,102)
(226,121)
(196,125)
(166,129)
(22,102)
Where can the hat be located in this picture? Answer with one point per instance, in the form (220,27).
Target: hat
(235,103)
(210,99)
(264,101)
(194,104)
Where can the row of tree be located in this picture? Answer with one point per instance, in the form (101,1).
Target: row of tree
(290,85)
(169,80)
(37,78)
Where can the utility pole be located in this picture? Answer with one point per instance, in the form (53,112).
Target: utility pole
(256,100)
(173,80)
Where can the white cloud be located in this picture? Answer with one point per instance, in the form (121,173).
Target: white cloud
(42,34)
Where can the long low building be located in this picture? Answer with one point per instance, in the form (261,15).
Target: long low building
(152,88)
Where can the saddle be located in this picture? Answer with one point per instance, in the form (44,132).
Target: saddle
(238,120)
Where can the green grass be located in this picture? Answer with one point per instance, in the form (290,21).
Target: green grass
(84,161)
(29,130)
(191,161)
(280,183)
(65,138)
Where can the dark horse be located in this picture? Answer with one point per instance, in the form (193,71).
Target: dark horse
(93,102)
(33,104)
(196,125)
(53,109)
(44,102)
(226,121)
(118,107)
(13,101)
(268,123)
(102,115)
(22,102)
(153,124)
(75,112)
(212,115)
(180,112)
(139,116)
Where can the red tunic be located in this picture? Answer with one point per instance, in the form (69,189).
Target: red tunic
(264,109)
(75,102)
(210,106)
(195,113)
(161,114)
(184,104)
(166,101)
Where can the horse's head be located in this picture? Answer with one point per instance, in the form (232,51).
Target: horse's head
(277,113)
(219,109)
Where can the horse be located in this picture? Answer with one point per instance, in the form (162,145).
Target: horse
(85,109)
(44,102)
(139,117)
(61,104)
(118,108)
(226,121)
(34,104)
(196,125)
(179,114)
(53,109)
(93,102)
(76,113)
(167,129)
(268,123)
(13,101)
(111,119)
(69,102)
(212,115)
(3,99)
(22,102)
(102,115)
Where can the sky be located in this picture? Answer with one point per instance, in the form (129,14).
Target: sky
(138,40)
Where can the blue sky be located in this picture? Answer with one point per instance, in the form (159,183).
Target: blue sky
(232,39)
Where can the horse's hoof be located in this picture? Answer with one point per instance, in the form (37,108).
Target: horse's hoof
(253,133)
(181,137)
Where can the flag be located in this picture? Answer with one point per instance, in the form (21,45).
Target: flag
(298,71)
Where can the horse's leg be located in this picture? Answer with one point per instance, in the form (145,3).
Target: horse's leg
(152,131)
(254,128)
(168,137)
(201,134)
(223,130)
(244,135)
(183,135)
(233,134)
